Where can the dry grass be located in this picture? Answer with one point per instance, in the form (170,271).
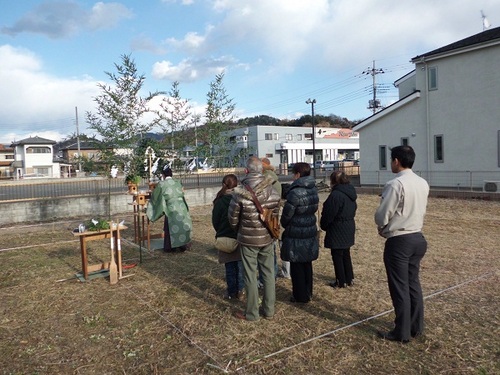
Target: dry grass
(170,318)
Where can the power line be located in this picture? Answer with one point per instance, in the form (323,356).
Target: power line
(325,94)
(30,123)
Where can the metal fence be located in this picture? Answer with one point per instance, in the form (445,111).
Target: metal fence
(58,188)
(448,180)
(96,186)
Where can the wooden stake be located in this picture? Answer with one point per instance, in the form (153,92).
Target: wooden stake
(119,245)
(113,271)
(120,264)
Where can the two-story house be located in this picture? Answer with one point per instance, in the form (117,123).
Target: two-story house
(448,111)
(69,152)
(33,157)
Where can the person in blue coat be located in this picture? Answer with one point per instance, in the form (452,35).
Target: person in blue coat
(300,245)
(337,219)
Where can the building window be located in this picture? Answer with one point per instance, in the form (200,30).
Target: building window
(9,157)
(38,150)
(269,155)
(269,136)
(299,137)
(433,78)
(382,157)
(404,142)
(438,149)
(44,171)
(276,136)
(308,136)
(288,137)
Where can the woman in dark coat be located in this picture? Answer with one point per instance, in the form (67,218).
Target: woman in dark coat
(220,222)
(337,219)
(300,238)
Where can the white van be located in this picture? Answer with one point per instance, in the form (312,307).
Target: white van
(327,165)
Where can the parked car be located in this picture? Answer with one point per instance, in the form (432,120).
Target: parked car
(327,165)
(354,161)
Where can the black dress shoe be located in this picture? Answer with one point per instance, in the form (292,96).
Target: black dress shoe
(293,300)
(390,336)
(335,284)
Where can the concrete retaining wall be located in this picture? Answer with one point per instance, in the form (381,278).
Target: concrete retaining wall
(42,210)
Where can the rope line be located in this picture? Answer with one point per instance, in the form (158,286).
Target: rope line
(484,276)
(36,245)
(359,322)
(273,354)
(177,329)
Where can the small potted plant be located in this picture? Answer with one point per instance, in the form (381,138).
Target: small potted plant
(97,224)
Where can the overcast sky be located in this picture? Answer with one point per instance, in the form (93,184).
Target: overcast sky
(275,53)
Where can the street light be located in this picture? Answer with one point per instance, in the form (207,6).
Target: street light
(312,102)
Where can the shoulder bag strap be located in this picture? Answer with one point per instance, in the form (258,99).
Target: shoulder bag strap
(255,200)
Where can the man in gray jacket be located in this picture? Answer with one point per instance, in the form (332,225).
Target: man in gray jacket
(255,240)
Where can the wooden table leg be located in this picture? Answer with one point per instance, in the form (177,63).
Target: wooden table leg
(83,249)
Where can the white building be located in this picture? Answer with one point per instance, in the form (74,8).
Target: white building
(283,145)
(448,111)
(6,160)
(33,157)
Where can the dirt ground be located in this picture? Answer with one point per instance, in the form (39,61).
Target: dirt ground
(169,317)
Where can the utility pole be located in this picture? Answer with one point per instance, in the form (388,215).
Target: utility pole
(78,142)
(374,104)
(312,102)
